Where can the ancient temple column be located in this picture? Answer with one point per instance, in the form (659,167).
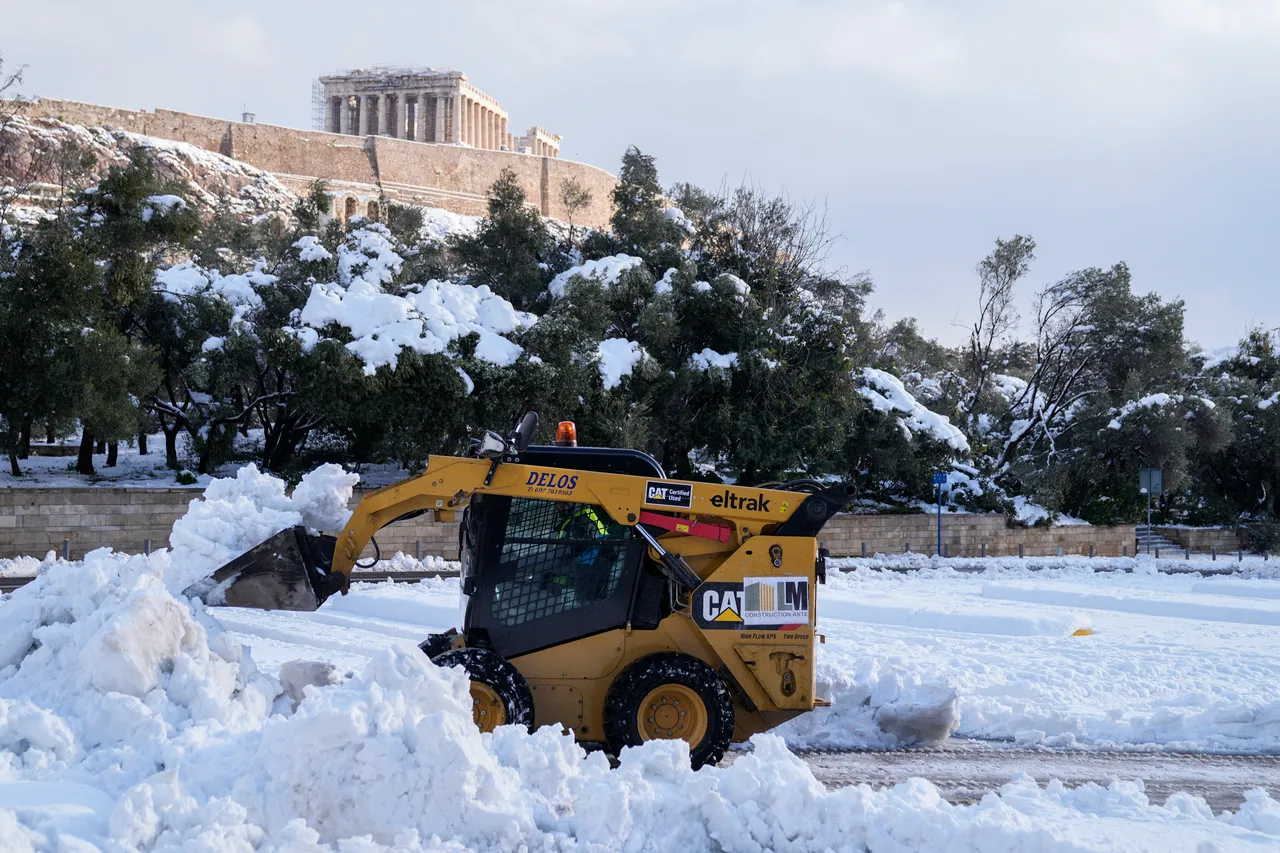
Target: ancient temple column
(439,128)
(344,115)
(503,135)
(384,115)
(455,107)
(488,129)
(420,119)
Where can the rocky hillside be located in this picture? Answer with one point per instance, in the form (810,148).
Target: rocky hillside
(39,155)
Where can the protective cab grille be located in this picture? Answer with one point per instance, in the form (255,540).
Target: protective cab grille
(565,556)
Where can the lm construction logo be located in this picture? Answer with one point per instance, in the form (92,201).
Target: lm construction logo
(759,603)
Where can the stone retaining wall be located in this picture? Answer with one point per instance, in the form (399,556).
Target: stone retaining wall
(453,177)
(35,521)
(1203,540)
(965,535)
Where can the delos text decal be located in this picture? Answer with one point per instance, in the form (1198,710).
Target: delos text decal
(551,482)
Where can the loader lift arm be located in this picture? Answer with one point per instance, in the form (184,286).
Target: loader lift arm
(295,570)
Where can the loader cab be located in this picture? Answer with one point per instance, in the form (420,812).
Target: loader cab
(537,572)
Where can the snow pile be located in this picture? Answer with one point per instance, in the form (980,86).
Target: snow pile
(391,758)
(21,567)
(886,393)
(100,664)
(237,513)
(426,319)
(607,271)
(618,357)
(709,359)
(878,704)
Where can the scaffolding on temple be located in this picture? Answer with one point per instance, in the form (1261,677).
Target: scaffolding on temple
(317,105)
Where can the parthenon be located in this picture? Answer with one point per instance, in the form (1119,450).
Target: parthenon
(425,105)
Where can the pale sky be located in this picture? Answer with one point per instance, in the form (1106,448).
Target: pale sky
(1143,131)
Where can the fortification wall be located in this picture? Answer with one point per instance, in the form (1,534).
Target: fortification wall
(308,154)
(453,177)
(35,521)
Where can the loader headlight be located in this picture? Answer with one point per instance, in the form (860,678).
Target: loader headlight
(492,446)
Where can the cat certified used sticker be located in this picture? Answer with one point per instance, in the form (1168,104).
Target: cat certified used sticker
(658,493)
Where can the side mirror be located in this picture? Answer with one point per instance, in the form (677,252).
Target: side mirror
(524,431)
(492,446)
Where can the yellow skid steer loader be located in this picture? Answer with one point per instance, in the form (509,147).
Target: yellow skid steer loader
(600,595)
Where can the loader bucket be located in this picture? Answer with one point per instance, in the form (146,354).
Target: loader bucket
(289,571)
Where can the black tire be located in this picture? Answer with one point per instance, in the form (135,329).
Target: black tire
(630,689)
(489,668)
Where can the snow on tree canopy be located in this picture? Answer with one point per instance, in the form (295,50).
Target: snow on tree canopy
(310,249)
(161,204)
(606,271)
(1152,401)
(709,358)
(426,321)
(618,356)
(886,394)
(187,280)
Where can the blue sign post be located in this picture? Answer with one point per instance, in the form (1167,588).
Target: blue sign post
(939,480)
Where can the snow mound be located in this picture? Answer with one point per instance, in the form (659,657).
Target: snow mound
(607,271)
(886,393)
(875,704)
(99,655)
(389,759)
(237,513)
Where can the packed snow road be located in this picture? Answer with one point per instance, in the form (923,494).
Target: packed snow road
(964,770)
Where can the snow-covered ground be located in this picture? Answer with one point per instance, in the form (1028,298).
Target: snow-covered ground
(131,469)
(133,719)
